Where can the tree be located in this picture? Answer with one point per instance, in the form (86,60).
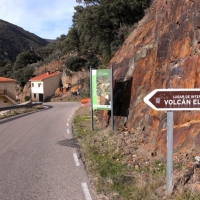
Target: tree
(92,61)
(28,73)
(6,68)
(45,52)
(18,76)
(95,30)
(72,42)
(75,63)
(102,25)
(23,75)
(25,58)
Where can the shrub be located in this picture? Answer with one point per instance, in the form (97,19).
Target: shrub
(27,98)
(75,63)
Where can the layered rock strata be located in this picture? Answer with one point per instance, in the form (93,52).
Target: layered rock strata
(162,52)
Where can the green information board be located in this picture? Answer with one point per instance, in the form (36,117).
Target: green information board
(101,89)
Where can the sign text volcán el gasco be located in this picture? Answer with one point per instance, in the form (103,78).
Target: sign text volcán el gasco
(183,100)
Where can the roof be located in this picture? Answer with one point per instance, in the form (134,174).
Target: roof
(3,79)
(44,76)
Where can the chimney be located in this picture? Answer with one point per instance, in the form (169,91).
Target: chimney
(48,72)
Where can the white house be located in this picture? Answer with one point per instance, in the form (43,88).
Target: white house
(44,85)
(7,92)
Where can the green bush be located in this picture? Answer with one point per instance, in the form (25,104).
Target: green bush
(23,75)
(25,58)
(27,98)
(75,63)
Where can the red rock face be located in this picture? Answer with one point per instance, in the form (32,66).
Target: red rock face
(162,52)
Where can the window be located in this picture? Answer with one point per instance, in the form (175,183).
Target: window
(32,84)
(34,95)
(39,84)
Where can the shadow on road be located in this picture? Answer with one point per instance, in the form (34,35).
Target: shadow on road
(69,143)
(3,121)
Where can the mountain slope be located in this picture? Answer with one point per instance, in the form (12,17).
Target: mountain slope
(14,40)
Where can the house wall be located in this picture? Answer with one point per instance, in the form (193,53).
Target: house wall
(47,87)
(5,102)
(35,98)
(9,87)
(51,84)
(36,88)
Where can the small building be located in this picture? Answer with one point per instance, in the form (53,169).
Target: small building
(45,85)
(7,92)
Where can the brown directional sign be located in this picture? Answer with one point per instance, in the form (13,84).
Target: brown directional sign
(174,99)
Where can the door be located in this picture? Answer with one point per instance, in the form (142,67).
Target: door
(40,97)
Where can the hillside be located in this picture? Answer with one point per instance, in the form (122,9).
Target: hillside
(14,40)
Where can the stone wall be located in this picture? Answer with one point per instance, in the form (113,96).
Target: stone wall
(162,52)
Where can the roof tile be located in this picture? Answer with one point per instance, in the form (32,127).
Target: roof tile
(3,79)
(44,76)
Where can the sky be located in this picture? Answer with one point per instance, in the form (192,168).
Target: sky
(47,19)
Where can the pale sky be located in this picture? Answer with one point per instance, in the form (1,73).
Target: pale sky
(47,19)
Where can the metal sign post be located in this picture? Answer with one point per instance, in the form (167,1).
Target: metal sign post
(169,100)
(91,109)
(111,92)
(170,125)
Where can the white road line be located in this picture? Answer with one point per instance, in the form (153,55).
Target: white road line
(68,131)
(67,124)
(86,191)
(68,120)
(76,159)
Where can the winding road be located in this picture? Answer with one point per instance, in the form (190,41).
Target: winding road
(39,157)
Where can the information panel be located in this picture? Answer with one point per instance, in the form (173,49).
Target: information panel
(101,89)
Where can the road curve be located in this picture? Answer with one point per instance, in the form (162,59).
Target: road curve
(38,156)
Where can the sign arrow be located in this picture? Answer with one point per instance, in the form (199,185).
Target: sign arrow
(174,99)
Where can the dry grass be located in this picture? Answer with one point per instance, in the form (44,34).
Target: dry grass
(19,111)
(113,178)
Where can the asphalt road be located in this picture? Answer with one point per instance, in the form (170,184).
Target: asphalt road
(39,157)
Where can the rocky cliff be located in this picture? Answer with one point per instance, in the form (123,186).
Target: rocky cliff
(162,52)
